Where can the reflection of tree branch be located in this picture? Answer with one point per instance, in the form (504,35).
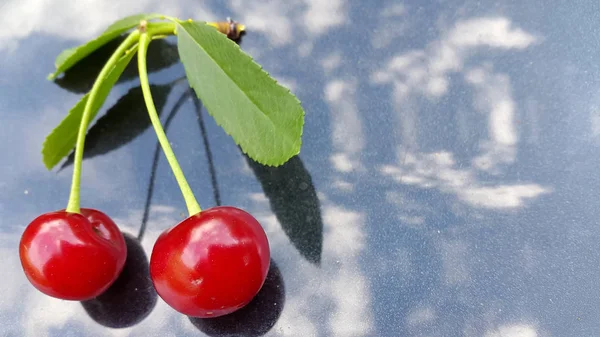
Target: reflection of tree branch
(170,117)
(211,166)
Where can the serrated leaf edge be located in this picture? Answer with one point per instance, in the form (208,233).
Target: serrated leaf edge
(273,163)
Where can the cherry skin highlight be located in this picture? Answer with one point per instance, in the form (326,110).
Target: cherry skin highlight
(212,263)
(72,256)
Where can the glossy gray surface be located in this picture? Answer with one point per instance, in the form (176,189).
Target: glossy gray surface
(453,147)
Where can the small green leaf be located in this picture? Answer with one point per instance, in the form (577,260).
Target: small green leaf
(122,123)
(263,117)
(62,139)
(81,76)
(67,58)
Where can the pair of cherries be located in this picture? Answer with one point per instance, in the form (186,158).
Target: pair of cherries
(208,265)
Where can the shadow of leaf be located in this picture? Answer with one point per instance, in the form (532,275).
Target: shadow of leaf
(122,123)
(291,194)
(80,78)
(294,201)
(131,298)
(256,318)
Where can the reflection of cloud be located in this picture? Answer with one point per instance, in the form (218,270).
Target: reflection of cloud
(160,218)
(503,196)
(343,185)
(593,109)
(26,166)
(421,316)
(274,19)
(27,152)
(513,331)
(337,292)
(43,313)
(392,24)
(347,133)
(492,31)
(99,179)
(437,170)
(344,241)
(322,15)
(493,95)
(332,62)
(426,72)
(79,20)
(454,256)
(14,283)
(281,22)
(394,10)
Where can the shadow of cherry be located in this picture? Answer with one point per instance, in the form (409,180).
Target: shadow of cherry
(131,298)
(256,318)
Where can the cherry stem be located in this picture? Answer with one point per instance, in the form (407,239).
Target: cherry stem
(170,117)
(74,197)
(191,203)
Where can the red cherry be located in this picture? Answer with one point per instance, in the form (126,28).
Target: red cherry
(211,264)
(72,256)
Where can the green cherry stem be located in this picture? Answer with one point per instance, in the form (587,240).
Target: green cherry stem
(74,197)
(192,205)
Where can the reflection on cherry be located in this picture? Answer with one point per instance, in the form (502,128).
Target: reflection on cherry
(131,298)
(256,318)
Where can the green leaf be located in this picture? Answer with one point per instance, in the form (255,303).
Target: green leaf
(81,76)
(122,123)
(67,58)
(294,201)
(62,139)
(262,117)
